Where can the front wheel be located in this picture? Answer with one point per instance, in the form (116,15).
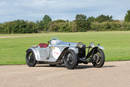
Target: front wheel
(70,59)
(98,58)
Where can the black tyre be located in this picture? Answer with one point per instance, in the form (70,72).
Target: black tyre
(70,59)
(30,58)
(98,58)
(52,65)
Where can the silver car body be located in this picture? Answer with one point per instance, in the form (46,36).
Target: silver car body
(53,51)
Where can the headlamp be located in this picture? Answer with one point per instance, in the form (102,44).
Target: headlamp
(80,45)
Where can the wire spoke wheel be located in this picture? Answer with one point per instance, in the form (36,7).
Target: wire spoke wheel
(70,59)
(98,59)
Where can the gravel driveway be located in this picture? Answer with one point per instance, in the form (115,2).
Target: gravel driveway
(113,74)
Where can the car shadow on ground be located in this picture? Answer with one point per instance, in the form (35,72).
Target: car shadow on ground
(78,67)
(90,66)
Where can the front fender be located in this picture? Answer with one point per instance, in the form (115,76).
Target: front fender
(100,47)
(94,50)
(64,51)
(74,49)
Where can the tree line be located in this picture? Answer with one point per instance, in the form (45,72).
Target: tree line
(80,24)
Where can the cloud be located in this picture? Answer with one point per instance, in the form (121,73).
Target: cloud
(60,9)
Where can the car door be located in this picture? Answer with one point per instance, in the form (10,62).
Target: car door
(44,53)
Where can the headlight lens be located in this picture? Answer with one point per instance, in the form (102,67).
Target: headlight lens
(80,45)
(92,45)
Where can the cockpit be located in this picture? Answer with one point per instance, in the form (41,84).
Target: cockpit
(54,41)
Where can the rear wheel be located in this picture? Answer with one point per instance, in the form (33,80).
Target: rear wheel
(70,59)
(98,58)
(30,58)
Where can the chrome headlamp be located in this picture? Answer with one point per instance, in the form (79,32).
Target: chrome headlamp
(80,45)
(92,45)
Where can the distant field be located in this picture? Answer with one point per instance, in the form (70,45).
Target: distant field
(116,44)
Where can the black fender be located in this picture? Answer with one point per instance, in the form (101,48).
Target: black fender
(92,52)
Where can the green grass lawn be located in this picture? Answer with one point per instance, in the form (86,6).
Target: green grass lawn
(116,44)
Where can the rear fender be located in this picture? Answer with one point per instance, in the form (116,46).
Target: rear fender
(36,53)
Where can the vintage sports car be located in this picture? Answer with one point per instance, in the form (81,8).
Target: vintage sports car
(57,52)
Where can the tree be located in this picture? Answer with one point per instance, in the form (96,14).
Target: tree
(127,17)
(103,18)
(91,19)
(46,20)
(81,22)
(2,30)
(19,26)
(59,26)
(40,26)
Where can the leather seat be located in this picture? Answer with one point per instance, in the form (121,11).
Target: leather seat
(43,45)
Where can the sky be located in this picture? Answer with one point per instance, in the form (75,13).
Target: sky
(34,10)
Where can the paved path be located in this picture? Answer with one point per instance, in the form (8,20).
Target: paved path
(113,74)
